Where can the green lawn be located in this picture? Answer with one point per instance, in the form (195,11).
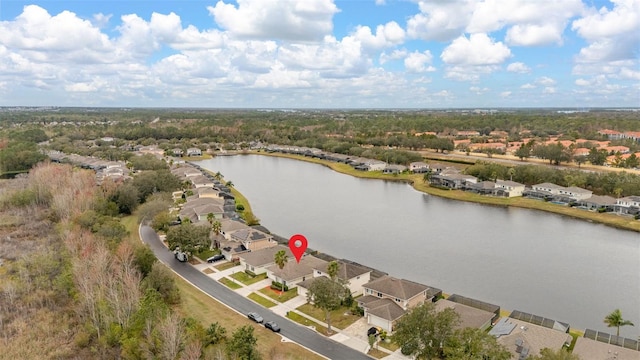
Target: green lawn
(230,283)
(306,322)
(247,279)
(391,346)
(340,318)
(226,265)
(278,295)
(261,300)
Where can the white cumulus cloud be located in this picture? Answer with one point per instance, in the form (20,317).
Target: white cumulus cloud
(419,62)
(293,20)
(518,67)
(478,49)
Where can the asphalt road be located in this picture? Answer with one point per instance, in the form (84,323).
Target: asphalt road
(291,330)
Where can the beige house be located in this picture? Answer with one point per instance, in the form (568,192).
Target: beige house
(469,316)
(228,226)
(293,272)
(253,239)
(355,276)
(509,188)
(258,261)
(387,298)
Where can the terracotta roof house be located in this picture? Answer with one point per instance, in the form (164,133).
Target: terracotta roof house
(293,272)
(611,134)
(399,295)
(258,261)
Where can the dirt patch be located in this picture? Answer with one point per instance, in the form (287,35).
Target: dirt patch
(208,271)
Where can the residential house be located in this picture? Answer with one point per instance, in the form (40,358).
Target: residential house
(293,272)
(453,180)
(371,165)
(600,345)
(258,261)
(185,172)
(611,134)
(558,193)
(387,298)
(612,150)
(228,226)
(633,135)
(628,205)
(509,188)
(193,151)
(201,181)
(207,192)
(597,202)
(354,275)
(483,187)
(469,316)
(253,239)
(199,209)
(468,133)
(394,169)
(419,167)
(523,338)
(177,152)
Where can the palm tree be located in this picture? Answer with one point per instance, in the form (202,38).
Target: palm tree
(229,184)
(216,227)
(615,320)
(511,172)
(218,175)
(281,259)
(332,269)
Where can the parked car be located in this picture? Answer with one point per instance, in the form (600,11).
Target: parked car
(373,331)
(271,325)
(255,317)
(179,255)
(215,258)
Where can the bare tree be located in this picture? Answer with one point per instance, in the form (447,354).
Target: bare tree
(171,337)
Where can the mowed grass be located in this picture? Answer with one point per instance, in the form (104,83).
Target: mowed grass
(261,300)
(230,283)
(247,279)
(306,322)
(279,295)
(226,265)
(340,318)
(196,304)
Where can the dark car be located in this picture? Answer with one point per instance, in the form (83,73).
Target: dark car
(215,258)
(255,317)
(373,331)
(271,325)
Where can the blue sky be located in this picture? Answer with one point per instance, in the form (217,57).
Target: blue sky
(320,53)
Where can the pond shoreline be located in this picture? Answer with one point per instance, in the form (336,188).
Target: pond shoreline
(415,180)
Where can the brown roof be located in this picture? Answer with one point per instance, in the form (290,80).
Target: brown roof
(346,271)
(589,349)
(386,309)
(397,288)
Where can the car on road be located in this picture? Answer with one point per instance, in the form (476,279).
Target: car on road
(271,325)
(255,317)
(215,258)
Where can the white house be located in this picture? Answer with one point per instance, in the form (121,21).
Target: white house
(509,188)
(258,261)
(293,272)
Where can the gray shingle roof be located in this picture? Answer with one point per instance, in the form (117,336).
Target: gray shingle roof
(397,288)
(265,256)
(346,271)
(386,309)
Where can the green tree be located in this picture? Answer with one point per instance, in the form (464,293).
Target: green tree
(327,295)
(243,344)
(216,227)
(161,279)
(632,161)
(188,237)
(474,344)
(423,331)
(281,258)
(229,184)
(558,354)
(597,157)
(511,172)
(143,259)
(332,270)
(126,197)
(580,159)
(615,320)
(215,334)
(523,152)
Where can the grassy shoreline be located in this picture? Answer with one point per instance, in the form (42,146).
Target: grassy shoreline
(613,220)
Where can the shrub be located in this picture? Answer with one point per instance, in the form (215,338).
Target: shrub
(250,273)
(278,286)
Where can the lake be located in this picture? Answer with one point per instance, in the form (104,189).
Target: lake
(546,264)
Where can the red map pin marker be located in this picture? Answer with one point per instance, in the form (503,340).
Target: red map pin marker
(297,245)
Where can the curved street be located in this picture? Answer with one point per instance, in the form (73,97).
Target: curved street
(291,330)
